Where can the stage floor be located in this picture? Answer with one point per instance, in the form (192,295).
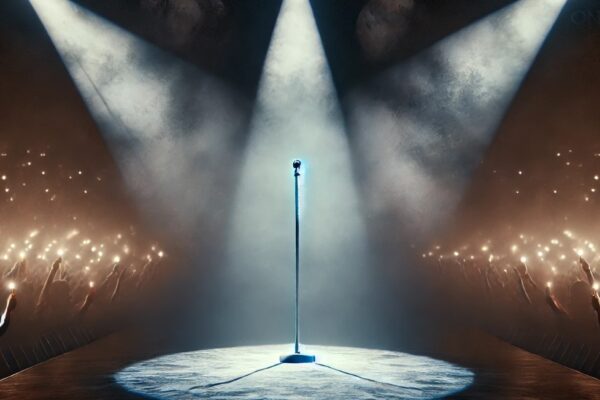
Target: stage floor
(501,371)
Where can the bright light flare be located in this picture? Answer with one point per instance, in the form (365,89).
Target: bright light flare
(523,259)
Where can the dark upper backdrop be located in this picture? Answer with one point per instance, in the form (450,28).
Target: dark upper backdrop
(556,109)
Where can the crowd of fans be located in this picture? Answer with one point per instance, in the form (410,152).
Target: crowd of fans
(71,259)
(52,283)
(547,288)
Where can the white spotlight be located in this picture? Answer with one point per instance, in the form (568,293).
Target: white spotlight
(137,94)
(297,115)
(424,124)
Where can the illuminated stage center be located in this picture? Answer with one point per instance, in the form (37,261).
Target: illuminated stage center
(251,373)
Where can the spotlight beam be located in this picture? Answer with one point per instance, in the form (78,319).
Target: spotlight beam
(426,123)
(151,109)
(297,114)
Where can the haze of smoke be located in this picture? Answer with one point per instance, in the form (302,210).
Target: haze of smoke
(422,127)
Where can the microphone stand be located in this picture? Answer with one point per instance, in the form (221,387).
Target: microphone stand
(297,357)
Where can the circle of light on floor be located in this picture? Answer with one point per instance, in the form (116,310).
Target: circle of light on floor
(255,373)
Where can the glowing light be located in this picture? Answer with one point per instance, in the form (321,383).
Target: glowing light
(116,259)
(22,255)
(310,117)
(60,252)
(514,248)
(456,254)
(568,234)
(382,116)
(91,284)
(596,286)
(484,249)
(523,259)
(548,284)
(12,285)
(161,254)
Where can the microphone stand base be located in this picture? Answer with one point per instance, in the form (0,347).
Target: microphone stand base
(298,358)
